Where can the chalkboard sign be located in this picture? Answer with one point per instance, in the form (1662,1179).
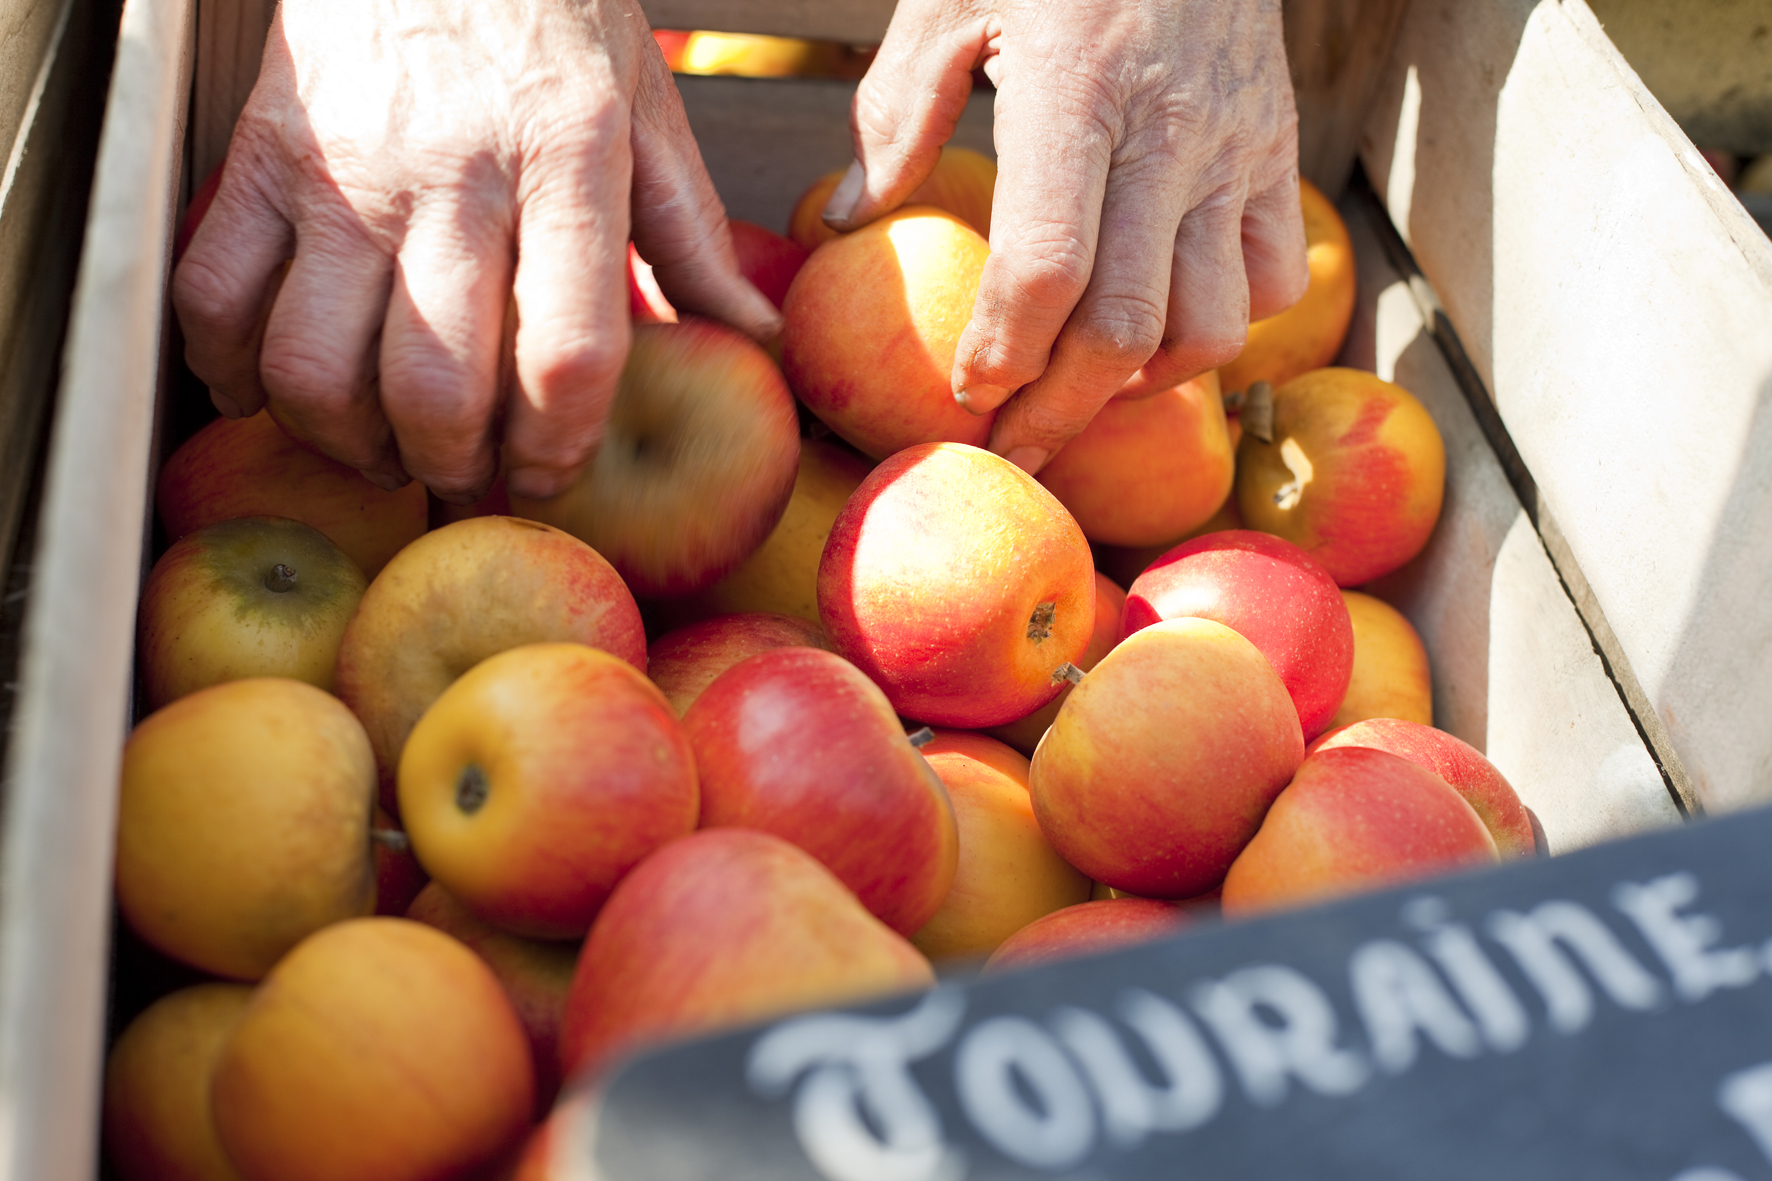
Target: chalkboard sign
(1604,1015)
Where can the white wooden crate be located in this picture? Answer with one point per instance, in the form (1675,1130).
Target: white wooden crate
(1516,671)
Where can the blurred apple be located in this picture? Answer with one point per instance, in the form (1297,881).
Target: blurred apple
(398,875)
(963,183)
(753,55)
(684,662)
(1390,677)
(1085,929)
(1025,733)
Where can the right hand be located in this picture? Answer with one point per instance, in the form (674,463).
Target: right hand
(433,169)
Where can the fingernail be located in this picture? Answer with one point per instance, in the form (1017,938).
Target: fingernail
(535,483)
(846,196)
(981,399)
(386,482)
(228,407)
(1028,459)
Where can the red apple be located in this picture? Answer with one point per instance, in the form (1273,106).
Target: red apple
(398,875)
(767,259)
(646,302)
(684,662)
(539,778)
(1084,929)
(959,584)
(696,464)
(797,742)
(1274,595)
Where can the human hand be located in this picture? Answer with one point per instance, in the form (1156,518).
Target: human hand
(453,183)
(1147,200)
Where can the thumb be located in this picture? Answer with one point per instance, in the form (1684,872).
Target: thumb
(908,104)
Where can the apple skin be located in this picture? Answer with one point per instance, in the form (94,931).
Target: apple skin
(250,597)
(963,182)
(249,468)
(1309,334)
(696,464)
(959,585)
(684,662)
(1024,734)
(799,743)
(1391,678)
(870,327)
(1160,766)
(460,594)
(767,259)
(1008,873)
(1271,592)
(1124,564)
(1148,469)
(534,973)
(243,824)
(721,928)
(398,876)
(541,776)
(1084,929)
(1354,476)
(1352,819)
(1460,764)
(646,302)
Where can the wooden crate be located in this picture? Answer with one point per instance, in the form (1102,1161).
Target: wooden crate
(1592,586)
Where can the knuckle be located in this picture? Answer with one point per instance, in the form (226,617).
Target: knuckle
(206,299)
(1048,269)
(573,372)
(293,369)
(1120,331)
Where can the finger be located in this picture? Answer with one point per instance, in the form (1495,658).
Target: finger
(440,345)
(223,287)
(318,360)
(679,224)
(1044,226)
(1117,324)
(1274,249)
(1208,295)
(907,106)
(571,296)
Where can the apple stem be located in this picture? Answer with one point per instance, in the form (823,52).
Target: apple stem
(390,838)
(921,738)
(1040,622)
(1258,411)
(280,579)
(1067,672)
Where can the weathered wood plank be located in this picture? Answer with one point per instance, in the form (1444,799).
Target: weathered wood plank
(1709,62)
(1336,50)
(853,22)
(230,42)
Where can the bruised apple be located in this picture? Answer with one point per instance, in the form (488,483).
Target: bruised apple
(1024,734)
(465,592)
(717,929)
(684,662)
(963,183)
(1161,764)
(249,467)
(1390,677)
(870,327)
(799,743)
(959,584)
(1085,928)
(696,463)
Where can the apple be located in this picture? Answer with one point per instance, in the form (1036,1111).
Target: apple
(534,973)
(753,55)
(157,1125)
(870,326)
(1124,563)
(1008,873)
(250,597)
(963,183)
(684,662)
(959,584)
(1271,592)
(696,463)
(767,259)
(398,876)
(1085,929)
(671,43)
(799,743)
(377,1049)
(249,467)
(1390,678)
(721,928)
(243,824)
(1158,769)
(538,778)
(1309,334)
(646,301)
(460,594)
(1353,476)
(1147,469)
(1354,818)
(1463,768)
(1024,734)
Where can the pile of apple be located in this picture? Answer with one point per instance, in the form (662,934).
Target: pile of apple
(815,782)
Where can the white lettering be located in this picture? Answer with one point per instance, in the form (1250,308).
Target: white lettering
(1397,995)
(1746,1096)
(1131,1106)
(1056,1129)
(1479,984)
(1684,942)
(1264,1054)
(1532,940)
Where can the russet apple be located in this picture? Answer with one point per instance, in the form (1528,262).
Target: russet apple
(1354,475)
(377,1050)
(721,928)
(696,463)
(799,743)
(1008,873)
(460,594)
(248,597)
(684,662)
(243,824)
(1161,764)
(1024,734)
(538,778)
(1271,592)
(249,467)
(1147,469)
(1084,929)
(1390,678)
(963,183)
(870,327)
(959,584)
(1354,818)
